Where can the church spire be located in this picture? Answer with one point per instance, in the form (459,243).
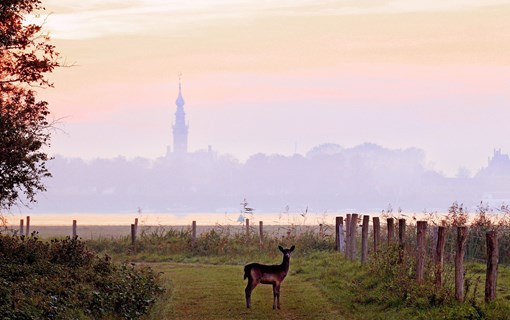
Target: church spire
(180,128)
(180,101)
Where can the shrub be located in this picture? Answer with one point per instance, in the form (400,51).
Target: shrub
(63,279)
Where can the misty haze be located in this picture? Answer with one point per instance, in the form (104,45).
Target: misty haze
(328,178)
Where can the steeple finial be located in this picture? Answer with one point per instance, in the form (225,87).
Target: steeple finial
(180,101)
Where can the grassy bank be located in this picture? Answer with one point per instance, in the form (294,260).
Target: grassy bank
(208,273)
(320,285)
(204,277)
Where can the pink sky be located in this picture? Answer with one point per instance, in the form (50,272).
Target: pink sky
(260,77)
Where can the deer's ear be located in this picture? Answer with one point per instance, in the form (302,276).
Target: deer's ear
(292,248)
(281,249)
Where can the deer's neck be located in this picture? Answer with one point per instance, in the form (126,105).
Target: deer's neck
(285,264)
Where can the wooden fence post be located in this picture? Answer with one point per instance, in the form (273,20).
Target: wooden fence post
(439,256)
(133,234)
(348,235)
(193,232)
(492,265)
(364,239)
(136,226)
(354,229)
(341,238)
(401,231)
(21,227)
(75,228)
(391,230)
(338,222)
(261,232)
(377,233)
(421,230)
(28,226)
(247,227)
(401,240)
(459,263)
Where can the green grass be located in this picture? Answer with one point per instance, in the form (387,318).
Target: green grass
(199,291)
(320,285)
(205,279)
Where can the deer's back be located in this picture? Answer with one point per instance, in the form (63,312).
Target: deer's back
(266,274)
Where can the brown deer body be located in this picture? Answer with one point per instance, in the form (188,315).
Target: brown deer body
(267,274)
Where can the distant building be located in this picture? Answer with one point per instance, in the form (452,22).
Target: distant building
(180,127)
(494,179)
(497,166)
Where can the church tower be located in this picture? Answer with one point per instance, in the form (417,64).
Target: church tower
(180,128)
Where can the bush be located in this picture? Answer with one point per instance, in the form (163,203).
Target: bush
(63,279)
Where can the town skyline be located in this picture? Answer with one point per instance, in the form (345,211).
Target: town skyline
(283,78)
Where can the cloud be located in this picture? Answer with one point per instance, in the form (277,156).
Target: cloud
(74,19)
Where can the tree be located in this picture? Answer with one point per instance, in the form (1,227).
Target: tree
(25,58)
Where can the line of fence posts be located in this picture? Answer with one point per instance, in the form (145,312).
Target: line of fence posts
(350,248)
(421,251)
(22,226)
(351,223)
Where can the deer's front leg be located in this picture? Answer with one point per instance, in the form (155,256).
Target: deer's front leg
(277,293)
(274,295)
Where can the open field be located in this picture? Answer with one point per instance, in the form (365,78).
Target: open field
(88,232)
(320,286)
(208,218)
(201,291)
(204,276)
(95,226)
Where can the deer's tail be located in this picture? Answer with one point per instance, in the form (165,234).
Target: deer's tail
(246,271)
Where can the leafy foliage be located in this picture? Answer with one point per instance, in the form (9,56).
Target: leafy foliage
(63,279)
(25,58)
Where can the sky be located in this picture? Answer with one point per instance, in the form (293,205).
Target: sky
(282,76)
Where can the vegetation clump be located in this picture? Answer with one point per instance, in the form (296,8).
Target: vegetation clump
(63,279)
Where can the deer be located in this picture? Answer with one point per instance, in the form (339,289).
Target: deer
(267,274)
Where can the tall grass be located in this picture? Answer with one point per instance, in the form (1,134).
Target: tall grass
(223,243)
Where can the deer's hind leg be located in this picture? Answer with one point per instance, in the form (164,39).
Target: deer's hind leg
(249,288)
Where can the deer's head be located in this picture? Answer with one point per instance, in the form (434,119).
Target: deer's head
(286,252)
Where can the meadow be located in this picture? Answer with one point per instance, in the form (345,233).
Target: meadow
(203,276)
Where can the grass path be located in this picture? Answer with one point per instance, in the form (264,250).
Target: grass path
(217,292)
